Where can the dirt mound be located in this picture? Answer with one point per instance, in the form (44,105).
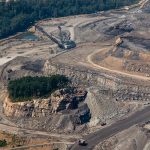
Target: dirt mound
(130,54)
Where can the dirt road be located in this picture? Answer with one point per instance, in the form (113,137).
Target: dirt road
(94,138)
(96,66)
(21,131)
(40,145)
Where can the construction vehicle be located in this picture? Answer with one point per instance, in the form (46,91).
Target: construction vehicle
(63,42)
(68,44)
(82,142)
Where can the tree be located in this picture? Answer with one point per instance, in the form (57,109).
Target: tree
(28,87)
(16,16)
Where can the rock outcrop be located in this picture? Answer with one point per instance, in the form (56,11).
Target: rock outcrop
(136,67)
(103,107)
(60,100)
(64,111)
(34,108)
(118,41)
(118,87)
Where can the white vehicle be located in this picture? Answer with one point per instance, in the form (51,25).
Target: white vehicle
(147,75)
(126,8)
(69,44)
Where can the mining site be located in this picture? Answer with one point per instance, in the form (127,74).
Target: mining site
(106,57)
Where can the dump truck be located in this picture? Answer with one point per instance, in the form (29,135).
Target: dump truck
(82,142)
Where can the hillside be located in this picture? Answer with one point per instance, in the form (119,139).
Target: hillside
(16,16)
(109,68)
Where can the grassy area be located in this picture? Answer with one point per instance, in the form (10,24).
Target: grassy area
(13,141)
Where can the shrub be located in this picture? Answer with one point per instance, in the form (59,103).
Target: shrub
(3,143)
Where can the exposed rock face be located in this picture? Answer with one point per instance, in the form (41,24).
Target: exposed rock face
(136,67)
(104,107)
(106,93)
(63,111)
(81,75)
(34,108)
(119,88)
(65,99)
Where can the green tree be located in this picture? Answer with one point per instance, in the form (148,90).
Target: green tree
(16,16)
(28,87)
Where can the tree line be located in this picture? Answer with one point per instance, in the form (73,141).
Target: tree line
(29,87)
(18,15)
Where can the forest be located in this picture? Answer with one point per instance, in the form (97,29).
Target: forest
(18,15)
(28,87)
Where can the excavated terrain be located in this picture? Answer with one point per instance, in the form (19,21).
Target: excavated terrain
(63,110)
(136,137)
(111,64)
(132,54)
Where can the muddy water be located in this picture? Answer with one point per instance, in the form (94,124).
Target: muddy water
(28,36)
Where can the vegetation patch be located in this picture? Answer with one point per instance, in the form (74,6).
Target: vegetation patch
(28,87)
(17,15)
(3,143)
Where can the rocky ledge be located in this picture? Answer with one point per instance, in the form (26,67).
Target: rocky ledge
(64,110)
(58,102)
